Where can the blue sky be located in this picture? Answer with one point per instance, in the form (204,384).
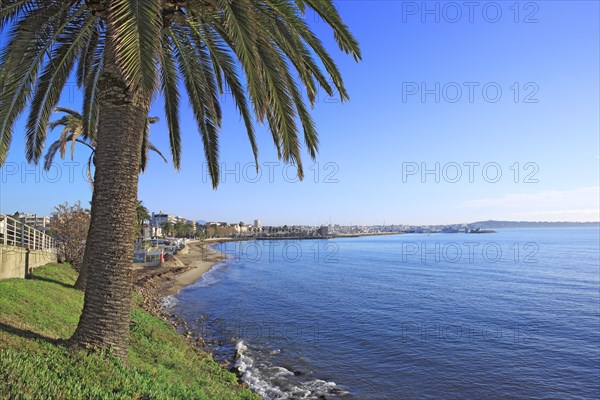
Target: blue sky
(496,89)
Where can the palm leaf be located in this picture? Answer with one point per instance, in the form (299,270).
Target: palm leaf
(147,146)
(144,156)
(225,63)
(136,36)
(56,146)
(73,113)
(236,28)
(86,58)
(51,83)
(90,92)
(170,90)
(342,34)
(191,70)
(280,102)
(13,9)
(21,59)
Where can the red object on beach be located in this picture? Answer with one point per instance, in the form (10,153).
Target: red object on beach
(162,257)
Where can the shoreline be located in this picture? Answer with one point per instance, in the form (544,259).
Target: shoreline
(155,284)
(189,265)
(176,273)
(199,258)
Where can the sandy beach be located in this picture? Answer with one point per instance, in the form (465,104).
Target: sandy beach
(199,259)
(177,272)
(154,284)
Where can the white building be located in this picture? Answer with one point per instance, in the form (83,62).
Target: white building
(257,224)
(161,218)
(37,221)
(152,231)
(240,229)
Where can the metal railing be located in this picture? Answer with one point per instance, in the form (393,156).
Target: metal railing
(15,233)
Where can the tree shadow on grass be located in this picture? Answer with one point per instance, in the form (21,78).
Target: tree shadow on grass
(40,278)
(27,334)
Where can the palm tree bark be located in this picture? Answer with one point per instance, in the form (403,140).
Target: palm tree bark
(83,269)
(104,322)
(82,277)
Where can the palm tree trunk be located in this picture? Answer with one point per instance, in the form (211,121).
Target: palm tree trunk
(81,278)
(83,268)
(104,322)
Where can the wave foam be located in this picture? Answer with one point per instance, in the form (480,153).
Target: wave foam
(261,378)
(169,301)
(209,277)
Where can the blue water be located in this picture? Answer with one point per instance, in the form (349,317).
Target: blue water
(515,314)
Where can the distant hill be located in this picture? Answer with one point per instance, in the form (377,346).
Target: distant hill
(529,224)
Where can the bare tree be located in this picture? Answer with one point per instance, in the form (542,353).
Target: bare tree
(70,225)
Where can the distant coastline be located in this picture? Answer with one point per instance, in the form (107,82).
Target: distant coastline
(491,224)
(335,236)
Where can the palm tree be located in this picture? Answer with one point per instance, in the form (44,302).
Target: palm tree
(142,214)
(72,131)
(179,229)
(168,229)
(72,123)
(124,54)
(215,229)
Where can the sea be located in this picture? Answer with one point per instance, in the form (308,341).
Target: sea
(513,314)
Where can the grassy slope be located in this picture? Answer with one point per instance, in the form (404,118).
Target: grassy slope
(34,314)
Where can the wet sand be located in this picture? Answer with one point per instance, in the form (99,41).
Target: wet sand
(199,259)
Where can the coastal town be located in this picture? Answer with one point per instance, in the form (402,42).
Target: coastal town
(164,225)
(162,235)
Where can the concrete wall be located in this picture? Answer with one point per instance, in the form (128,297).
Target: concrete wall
(12,261)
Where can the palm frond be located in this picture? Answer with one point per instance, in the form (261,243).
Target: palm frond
(157,151)
(170,90)
(62,121)
(89,169)
(58,145)
(50,85)
(311,140)
(268,38)
(288,40)
(225,63)
(147,146)
(330,66)
(86,58)
(235,27)
(50,153)
(281,103)
(64,138)
(136,36)
(144,149)
(21,59)
(342,34)
(70,111)
(200,98)
(13,9)
(90,92)
(209,80)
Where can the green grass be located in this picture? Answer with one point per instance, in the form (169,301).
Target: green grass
(35,315)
